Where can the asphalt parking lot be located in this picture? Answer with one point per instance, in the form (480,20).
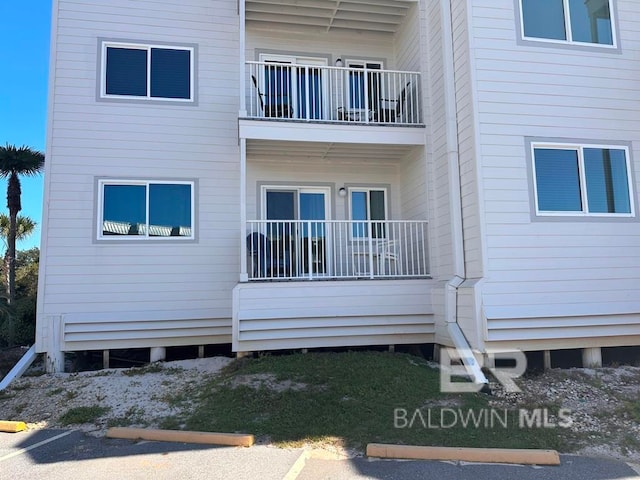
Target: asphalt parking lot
(58,454)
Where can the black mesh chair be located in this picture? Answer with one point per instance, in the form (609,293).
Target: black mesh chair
(396,107)
(259,249)
(273,105)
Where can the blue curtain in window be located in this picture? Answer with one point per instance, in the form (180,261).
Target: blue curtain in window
(557,180)
(309,90)
(170,73)
(278,87)
(312,208)
(356,89)
(126,72)
(281,205)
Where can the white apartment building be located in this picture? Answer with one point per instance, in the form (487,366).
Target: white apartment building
(284,174)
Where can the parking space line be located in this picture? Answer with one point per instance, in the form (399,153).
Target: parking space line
(35,445)
(297,467)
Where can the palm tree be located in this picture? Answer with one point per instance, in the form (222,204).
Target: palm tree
(24,228)
(16,161)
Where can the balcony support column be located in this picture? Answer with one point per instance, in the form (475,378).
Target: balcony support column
(244,277)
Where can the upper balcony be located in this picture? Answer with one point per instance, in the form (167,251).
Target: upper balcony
(338,71)
(361,95)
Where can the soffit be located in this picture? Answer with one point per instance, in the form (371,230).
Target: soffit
(329,15)
(284,151)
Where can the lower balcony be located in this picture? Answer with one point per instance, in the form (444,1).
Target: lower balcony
(336,249)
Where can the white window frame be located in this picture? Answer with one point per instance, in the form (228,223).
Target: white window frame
(579,148)
(146,237)
(298,189)
(368,191)
(147,47)
(567,27)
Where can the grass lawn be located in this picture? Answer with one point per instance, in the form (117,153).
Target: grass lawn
(353,398)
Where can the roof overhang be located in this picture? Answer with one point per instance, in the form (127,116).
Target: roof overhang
(328,15)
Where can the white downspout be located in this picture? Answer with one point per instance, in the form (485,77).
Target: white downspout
(19,368)
(455,197)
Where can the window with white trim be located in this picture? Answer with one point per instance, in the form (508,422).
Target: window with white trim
(368,210)
(582,180)
(147,72)
(145,209)
(568,21)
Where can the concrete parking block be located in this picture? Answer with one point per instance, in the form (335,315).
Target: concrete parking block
(208,438)
(483,455)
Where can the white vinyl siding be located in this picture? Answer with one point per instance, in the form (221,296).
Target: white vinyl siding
(467,147)
(270,170)
(407,42)
(438,171)
(413,186)
(273,316)
(573,268)
(331,45)
(132,285)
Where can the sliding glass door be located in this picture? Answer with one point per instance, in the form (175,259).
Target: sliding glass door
(301,246)
(294,86)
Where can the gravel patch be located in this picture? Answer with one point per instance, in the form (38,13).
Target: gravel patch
(137,397)
(603,405)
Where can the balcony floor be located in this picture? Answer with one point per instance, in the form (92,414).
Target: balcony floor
(329,131)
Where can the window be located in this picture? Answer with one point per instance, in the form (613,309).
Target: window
(147,72)
(139,209)
(357,83)
(368,204)
(582,180)
(570,21)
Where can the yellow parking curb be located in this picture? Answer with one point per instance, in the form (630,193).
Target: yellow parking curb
(12,427)
(483,455)
(232,439)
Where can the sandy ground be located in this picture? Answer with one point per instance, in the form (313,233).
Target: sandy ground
(133,397)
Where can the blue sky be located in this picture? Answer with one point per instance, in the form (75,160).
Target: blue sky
(24,65)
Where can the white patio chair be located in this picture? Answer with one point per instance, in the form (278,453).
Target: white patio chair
(388,256)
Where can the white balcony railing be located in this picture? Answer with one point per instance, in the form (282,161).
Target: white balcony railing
(333,94)
(336,249)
